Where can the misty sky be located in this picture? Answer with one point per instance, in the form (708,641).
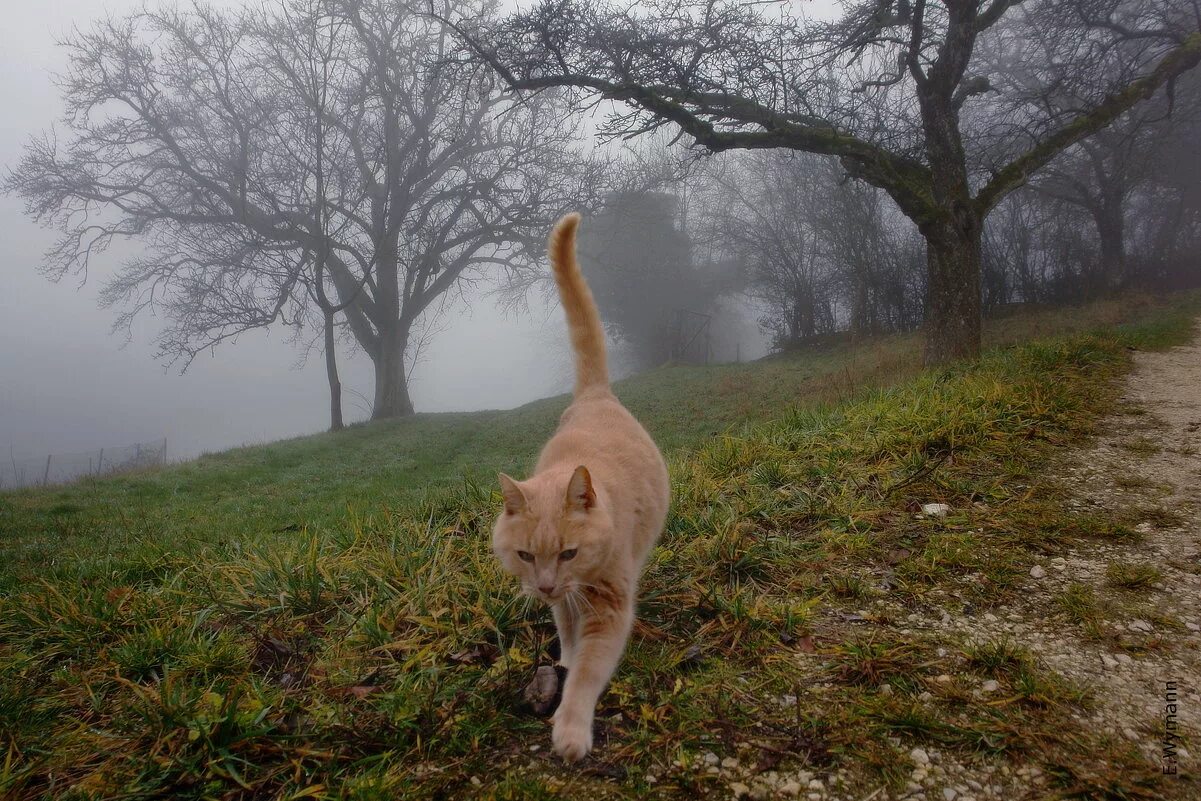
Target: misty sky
(67,384)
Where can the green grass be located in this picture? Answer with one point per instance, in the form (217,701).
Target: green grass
(1132,575)
(322,618)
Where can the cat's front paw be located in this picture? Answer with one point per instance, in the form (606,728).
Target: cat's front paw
(572,739)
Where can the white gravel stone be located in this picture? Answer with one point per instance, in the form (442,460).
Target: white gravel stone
(919,756)
(1037,572)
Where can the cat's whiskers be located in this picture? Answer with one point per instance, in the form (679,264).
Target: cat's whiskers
(584,597)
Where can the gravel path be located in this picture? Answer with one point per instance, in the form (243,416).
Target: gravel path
(1147,639)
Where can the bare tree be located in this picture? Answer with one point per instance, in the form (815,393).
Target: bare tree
(1099,174)
(889,89)
(292,154)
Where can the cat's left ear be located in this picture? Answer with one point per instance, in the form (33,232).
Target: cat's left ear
(580,494)
(514,498)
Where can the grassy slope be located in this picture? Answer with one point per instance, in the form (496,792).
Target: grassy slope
(258,493)
(296,596)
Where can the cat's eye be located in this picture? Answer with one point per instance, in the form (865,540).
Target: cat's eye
(568,554)
(526,556)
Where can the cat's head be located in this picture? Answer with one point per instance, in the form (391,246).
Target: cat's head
(554,532)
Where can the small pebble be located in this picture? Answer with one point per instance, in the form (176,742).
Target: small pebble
(990,686)
(729,763)
(919,756)
(739,789)
(1037,572)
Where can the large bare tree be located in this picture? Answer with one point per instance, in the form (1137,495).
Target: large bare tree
(893,88)
(297,160)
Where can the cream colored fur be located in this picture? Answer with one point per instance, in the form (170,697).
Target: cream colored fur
(577,532)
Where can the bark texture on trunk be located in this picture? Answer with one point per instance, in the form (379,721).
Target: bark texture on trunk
(952,294)
(954,230)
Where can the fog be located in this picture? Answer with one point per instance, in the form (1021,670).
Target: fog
(67,384)
(282,194)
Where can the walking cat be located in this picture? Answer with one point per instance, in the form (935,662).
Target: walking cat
(577,532)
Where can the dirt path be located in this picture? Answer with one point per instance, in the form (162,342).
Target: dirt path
(1134,604)
(1147,458)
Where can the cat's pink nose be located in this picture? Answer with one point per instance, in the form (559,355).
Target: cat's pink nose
(546,589)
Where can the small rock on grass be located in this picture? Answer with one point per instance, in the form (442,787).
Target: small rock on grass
(739,789)
(1037,572)
(919,756)
(935,509)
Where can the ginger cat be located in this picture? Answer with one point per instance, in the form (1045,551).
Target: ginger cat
(577,532)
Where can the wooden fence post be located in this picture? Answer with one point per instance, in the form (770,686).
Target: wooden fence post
(100,462)
(46,475)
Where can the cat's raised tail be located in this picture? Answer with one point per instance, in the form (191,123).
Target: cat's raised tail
(583,319)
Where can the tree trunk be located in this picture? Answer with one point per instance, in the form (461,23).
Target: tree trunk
(1111,233)
(331,372)
(391,385)
(953,233)
(952,293)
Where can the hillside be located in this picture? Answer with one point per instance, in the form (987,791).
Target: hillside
(321,618)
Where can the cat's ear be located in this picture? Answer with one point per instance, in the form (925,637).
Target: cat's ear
(580,494)
(514,497)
